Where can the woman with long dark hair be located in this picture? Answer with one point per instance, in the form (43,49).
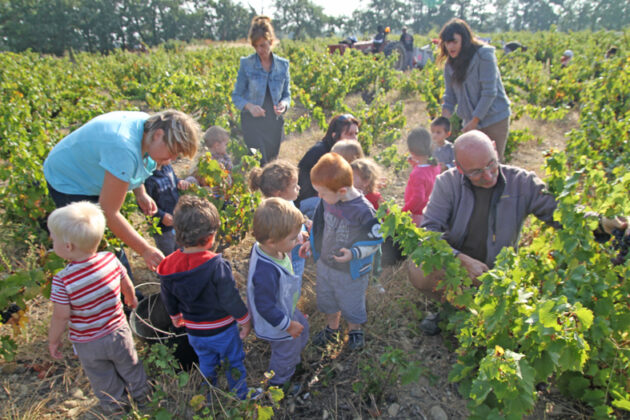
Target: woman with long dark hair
(473,83)
(341,127)
(262,91)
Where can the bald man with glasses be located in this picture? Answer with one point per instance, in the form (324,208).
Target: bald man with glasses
(480,207)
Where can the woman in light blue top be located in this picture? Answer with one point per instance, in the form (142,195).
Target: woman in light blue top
(112,154)
(262,92)
(472,82)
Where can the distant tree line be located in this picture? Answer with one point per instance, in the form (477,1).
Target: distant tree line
(54,26)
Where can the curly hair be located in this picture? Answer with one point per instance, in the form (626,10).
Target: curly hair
(274,177)
(195,219)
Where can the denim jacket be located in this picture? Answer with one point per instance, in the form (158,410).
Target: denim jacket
(252,80)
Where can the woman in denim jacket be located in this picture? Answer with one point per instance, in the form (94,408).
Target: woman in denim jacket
(262,92)
(472,82)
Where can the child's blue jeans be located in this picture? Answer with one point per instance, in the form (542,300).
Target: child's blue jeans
(212,351)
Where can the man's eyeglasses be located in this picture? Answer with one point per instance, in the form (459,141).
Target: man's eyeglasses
(475,173)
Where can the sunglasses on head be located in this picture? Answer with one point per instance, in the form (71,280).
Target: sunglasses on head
(346,117)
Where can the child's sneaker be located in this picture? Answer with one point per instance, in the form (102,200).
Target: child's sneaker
(290,389)
(378,286)
(115,410)
(429,325)
(325,336)
(356,340)
(254,393)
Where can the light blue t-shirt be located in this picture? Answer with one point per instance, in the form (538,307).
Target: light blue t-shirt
(111,142)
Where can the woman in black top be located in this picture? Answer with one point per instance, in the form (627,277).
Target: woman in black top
(341,127)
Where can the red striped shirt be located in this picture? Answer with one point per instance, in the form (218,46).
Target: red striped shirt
(92,289)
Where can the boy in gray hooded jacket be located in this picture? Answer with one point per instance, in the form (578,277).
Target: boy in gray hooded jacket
(273,289)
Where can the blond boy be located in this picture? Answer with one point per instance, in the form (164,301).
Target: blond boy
(86,297)
(350,150)
(273,288)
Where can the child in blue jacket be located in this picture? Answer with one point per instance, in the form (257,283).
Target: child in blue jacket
(273,288)
(199,292)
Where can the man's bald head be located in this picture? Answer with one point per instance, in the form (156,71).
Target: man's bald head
(475,151)
(473,141)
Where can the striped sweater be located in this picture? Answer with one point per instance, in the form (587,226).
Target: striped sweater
(92,289)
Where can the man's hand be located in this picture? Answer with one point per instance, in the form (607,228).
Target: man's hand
(295,329)
(474,267)
(183,184)
(617,222)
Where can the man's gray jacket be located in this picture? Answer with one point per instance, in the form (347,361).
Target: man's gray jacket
(517,194)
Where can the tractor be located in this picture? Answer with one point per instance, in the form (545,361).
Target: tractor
(421,56)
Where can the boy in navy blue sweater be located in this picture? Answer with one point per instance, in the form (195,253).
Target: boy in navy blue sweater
(162,188)
(273,289)
(199,292)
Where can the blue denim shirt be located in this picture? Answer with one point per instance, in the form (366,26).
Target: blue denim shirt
(252,80)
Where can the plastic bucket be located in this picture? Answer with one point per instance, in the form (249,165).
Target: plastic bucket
(151,323)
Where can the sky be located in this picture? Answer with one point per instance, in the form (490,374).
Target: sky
(334,8)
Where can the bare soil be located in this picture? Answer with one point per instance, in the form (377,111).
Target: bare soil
(34,386)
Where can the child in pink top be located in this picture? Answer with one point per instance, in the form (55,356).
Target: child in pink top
(422,175)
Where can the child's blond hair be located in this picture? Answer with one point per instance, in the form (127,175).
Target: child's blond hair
(332,171)
(350,150)
(215,134)
(275,219)
(81,223)
(369,171)
(273,178)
